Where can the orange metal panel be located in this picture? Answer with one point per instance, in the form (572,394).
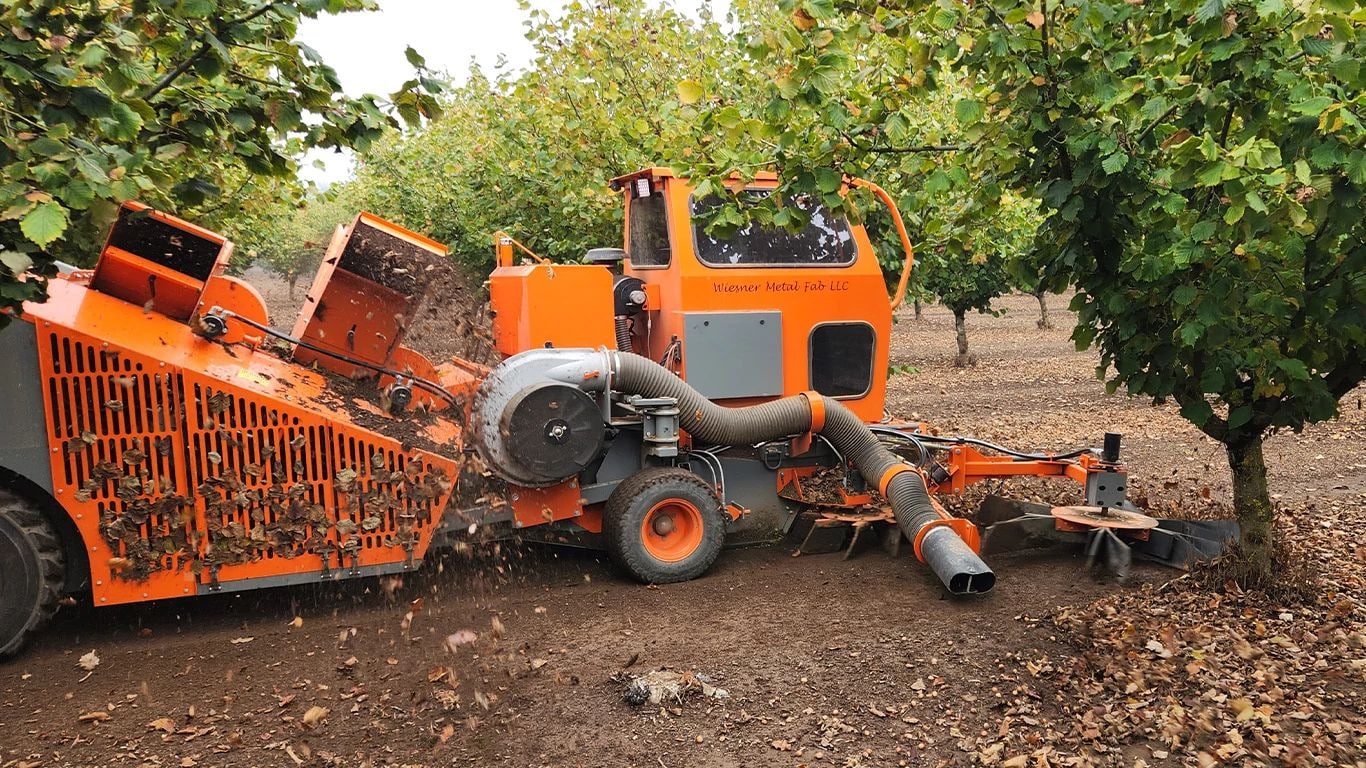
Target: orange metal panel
(357,318)
(239,297)
(158,261)
(537,506)
(150,285)
(561,305)
(364,294)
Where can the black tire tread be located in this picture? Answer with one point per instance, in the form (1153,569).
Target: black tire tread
(623,541)
(51,559)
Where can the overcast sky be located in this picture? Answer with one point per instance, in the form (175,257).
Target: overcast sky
(366,49)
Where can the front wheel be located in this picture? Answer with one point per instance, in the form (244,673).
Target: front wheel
(30,572)
(664,525)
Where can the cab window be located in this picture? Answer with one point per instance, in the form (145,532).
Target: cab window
(825,241)
(648,244)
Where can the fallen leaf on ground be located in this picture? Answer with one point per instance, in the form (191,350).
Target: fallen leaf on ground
(242,640)
(89,661)
(458,638)
(98,716)
(1158,648)
(162,724)
(315,715)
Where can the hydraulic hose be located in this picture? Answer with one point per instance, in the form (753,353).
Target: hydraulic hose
(623,331)
(952,560)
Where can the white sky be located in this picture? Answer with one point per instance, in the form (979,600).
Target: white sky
(366,49)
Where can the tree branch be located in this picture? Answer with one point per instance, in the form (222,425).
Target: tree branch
(1162,118)
(198,53)
(916,150)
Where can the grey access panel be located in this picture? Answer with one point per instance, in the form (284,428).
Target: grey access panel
(734,354)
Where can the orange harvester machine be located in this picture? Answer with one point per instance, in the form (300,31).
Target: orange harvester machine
(656,401)
(183,454)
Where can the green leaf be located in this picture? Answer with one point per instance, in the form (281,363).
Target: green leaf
(937,183)
(1209,9)
(195,191)
(1197,412)
(241,120)
(968,111)
(1314,106)
(1212,174)
(44,224)
(828,180)
(414,58)
(127,122)
(1302,174)
(47,147)
(689,91)
(1356,167)
(1239,416)
(197,8)
(1190,333)
(729,117)
(92,56)
(1184,295)
(91,102)
(1293,368)
(1114,163)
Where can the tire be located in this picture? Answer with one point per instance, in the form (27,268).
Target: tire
(31,568)
(664,525)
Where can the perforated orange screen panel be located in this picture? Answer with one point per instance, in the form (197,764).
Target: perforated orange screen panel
(215,465)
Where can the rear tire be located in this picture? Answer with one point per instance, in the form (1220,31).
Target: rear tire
(31,567)
(664,525)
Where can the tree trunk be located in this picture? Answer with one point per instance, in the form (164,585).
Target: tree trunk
(1042,296)
(1252,503)
(916,302)
(960,325)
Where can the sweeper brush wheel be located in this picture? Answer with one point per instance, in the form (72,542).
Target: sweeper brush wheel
(664,525)
(30,572)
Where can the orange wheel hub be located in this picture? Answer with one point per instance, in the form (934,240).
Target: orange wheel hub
(672,530)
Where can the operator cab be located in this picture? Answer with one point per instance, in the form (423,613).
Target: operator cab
(763,313)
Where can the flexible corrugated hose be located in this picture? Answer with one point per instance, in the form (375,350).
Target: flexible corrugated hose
(623,330)
(961,570)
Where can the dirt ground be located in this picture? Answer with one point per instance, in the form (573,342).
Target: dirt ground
(507,658)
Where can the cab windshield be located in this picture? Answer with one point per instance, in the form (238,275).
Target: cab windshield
(825,241)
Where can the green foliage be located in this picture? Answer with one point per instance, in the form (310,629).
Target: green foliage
(1200,163)
(531,152)
(185,105)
